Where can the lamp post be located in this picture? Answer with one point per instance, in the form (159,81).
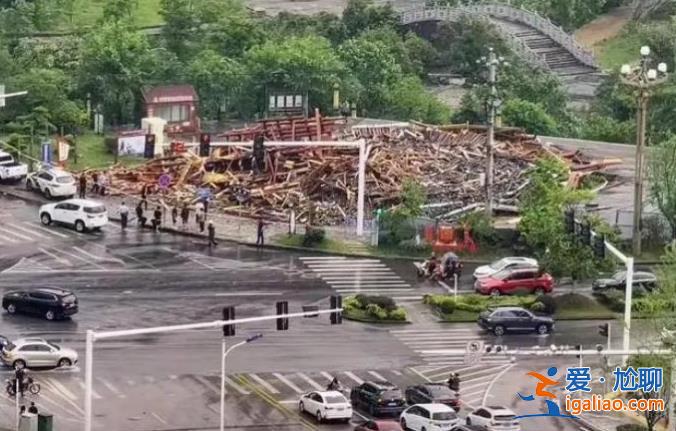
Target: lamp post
(224,354)
(491,63)
(643,78)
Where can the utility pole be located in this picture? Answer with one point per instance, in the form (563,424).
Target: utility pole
(643,78)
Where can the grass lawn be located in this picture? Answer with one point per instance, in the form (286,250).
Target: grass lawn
(622,49)
(87,12)
(91,153)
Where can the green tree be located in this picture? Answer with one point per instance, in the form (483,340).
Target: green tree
(118,10)
(362,15)
(530,116)
(407,99)
(662,177)
(217,80)
(652,417)
(233,34)
(180,22)
(323,24)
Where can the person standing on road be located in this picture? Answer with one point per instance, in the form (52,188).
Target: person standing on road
(95,181)
(185,214)
(200,219)
(174,215)
(103,183)
(83,185)
(212,233)
(33,408)
(139,215)
(20,376)
(157,218)
(454,382)
(124,215)
(260,239)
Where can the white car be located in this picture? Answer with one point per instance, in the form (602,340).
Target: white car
(10,169)
(83,214)
(52,182)
(37,352)
(494,418)
(505,263)
(429,417)
(326,405)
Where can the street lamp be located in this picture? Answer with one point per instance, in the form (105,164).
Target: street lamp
(643,78)
(491,63)
(224,354)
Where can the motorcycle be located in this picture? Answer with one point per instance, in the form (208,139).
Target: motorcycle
(446,268)
(29,385)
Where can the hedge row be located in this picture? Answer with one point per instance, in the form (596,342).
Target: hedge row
(377,307)
(477,303)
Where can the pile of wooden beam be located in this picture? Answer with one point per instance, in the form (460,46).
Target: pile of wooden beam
(321,183)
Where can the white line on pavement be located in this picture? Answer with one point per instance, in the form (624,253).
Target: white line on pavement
(353,377)
(322,258)
(288,383)
(61,388)
(367,283)
(201,263)
(203,380)
(111,388)
(419,374)
(8,239)
(373,290)
(32,232)
(88,254)
(328,376)
(94,393)
(156,416)
(263,383)
(469,394)
(311,382)
(44,229)
(377,376)
(80,258)
(18,235)
(57,258)
(396,373)
(237,387)
(357,277)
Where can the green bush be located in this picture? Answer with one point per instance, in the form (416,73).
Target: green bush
(481,227)
(313,236)
(398,314)
(376,311)
(538,307)
(549,303)
(612,298)
(384,302)
(411,246)
(476,303)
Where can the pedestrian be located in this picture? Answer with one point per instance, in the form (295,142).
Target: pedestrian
(212,233)
(124,215)
(260,239)
(454,382)
(20,375)
(205,202)
(200,219)
(103,183)
(157,218)
(83,185)
(33,408)
(139,215)
(95,181)
(22,411)
(174,215)
(185,214)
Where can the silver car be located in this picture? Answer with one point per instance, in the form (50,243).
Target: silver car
(37,352)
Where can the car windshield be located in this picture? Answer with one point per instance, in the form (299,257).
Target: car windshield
(66,179)
(504,418)
(335,400)
(68,299)
(619,276)
(391,394)
(444,416)
(5,159)
(497,265)
(95,210)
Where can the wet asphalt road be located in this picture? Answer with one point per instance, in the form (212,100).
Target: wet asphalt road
(140,279)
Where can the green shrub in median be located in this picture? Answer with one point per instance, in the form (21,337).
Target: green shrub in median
(313,236)
(376,307)
(447,304)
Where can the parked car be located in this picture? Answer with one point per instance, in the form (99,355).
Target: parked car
(432,393)
(512,262)
(326,405)
(49,302)
(641,279)
(52,182)
(83,214)
(423,417)
(378,398)
(378,426)
(494,418)
(503,319)
(37,352)
(3,341)
(515,281)
(11,170)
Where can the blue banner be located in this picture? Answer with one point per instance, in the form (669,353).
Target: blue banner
(47,153)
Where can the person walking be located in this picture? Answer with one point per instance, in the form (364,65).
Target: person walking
(124,215)
(200,219)
(157,218)
(83,185)
(103,183)
(174,215)
(33,408)
(454,382)
(22,410)
(95,181)
(260,239)
(212,234)
(20,376)
(139,215)
(185,214)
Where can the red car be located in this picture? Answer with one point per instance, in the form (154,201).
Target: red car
(378,426)
(510,282)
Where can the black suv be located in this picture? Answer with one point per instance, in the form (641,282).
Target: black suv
(505,319)
(378,398)
(642,282)
(50,302)
(432,393)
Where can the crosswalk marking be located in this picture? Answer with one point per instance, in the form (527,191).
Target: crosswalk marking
(8,239)
(328,376)
(288,383)
(44,229)
(88,254)
(111,388)
(28,231)
(55,257)
(353,377)
(263,383)
(18,235)
(320,258)
(311,382)
(203,380)
(237,387)
(377,376)
(61,388)
(94,393)
(81,259)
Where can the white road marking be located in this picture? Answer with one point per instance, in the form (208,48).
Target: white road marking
(469,394)
(328,376)
(419,374)
(88,254)
(156,416)
(396,372)
(18,235)
(372,290)
(288,383)
(57,258)
(149,379)
(94,393)
(357,277)
(311,382)
(201,263)
(322,258)
(203,380)
(237,387)
(61,388)
(82,259)
(31,232)
(263,383)
(353,377)
(111,388)
(377,376)
(44,229)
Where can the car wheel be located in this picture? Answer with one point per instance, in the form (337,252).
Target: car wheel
(19,364)
(50,315)
(64,362)
(11,308)
(539,291)
(79,226)
(542,329)
(46,219)
(301,407)
(469,422)
(48,194)
(319,417)
(402,421)
(499,330)
(495,292)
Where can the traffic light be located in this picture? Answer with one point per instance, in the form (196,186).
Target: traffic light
(228,314)
(337,316)
(585,233)
(205,144)
(282,322)
(603,329)
(149,149)
(579,349)
(600,247)
(569,219)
